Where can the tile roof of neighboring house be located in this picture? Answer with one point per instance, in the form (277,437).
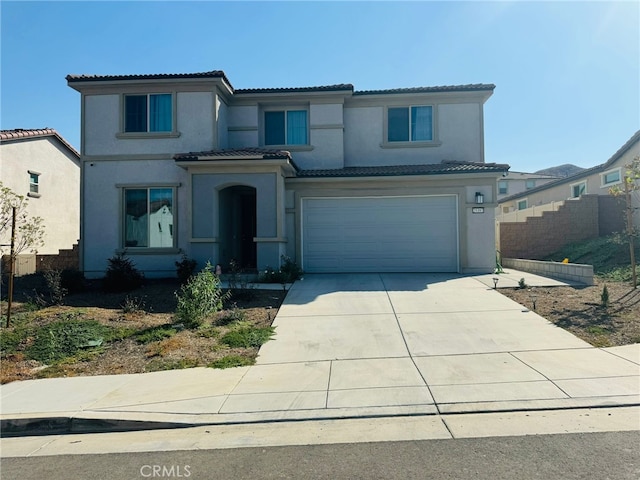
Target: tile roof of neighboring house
(442,88)
(445,167)
(635,138)
(22,133)
(234,153)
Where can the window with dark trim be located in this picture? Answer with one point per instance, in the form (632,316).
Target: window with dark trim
(410,124)
(285,127)
(148,113)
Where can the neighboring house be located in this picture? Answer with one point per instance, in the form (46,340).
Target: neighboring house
(41,165)
(518,182)
(540,221)
(337,179)
(597,180)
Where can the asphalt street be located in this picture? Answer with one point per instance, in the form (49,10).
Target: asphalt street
(570,456)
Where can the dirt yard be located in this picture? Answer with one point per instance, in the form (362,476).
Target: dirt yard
(581,311)
(142,336)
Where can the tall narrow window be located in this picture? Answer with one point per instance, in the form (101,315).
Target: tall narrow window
(285,127)
(148,113)
(410,124)
(578,189)
(148,218)
(34,182)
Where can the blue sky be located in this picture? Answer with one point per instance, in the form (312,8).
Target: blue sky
(567,74)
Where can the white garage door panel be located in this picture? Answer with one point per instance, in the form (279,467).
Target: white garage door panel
(380,234)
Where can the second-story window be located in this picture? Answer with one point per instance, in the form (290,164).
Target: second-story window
(410,124)
(34,182)
(285,127)
(529,184)
(148,113)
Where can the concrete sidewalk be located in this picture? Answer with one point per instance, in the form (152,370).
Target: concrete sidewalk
(357,346)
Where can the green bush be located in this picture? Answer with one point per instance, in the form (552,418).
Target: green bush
(288,272)
(231,361)
(185,268)
(248,337)
(522,284)
(604,297)
(57,292)
(155,334)
(65,338)
(199,297)
(122,275)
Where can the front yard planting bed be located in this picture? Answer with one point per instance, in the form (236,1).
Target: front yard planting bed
(97,333)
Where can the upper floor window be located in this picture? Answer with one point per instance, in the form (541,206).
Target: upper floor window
(410,124)
(285,127)
(148,113)
(610,178)
(149,217)
(503,187)
(578,189)
(529,184)
(34,182)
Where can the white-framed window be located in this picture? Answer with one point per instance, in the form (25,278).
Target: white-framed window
(578,189)
(286,127)
(529,184)
(611,177)
(148,113)
(522,204)
(148,217)
(503,187)
(410,124)
(34,183)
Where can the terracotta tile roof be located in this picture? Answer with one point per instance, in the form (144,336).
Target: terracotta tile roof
(322,88)
(443,88)
(445,167)
(248,153)
(21,133)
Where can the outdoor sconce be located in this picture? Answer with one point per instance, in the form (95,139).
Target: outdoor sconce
(495,282)
(479,198)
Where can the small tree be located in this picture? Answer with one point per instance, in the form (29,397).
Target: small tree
(29,233)
(629,185)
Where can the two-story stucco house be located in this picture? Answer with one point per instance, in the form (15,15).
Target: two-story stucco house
(41,165)
(339,180)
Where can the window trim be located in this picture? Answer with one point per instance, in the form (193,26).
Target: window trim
(173,133)
(124,248)
(434,142)
(37,193)
(584,182)
(603,184)
(288,108)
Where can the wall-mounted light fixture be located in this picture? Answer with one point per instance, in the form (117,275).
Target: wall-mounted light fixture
(479,198)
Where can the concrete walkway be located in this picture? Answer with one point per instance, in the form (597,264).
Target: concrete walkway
(357,346)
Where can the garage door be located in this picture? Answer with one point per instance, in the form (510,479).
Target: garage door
(380,234)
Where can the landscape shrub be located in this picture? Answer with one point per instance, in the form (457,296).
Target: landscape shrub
(248,337)
(57,292)
(185,268)
(199,297)
(231,361)
(288,272)
(604,297)
(122,275)
(155,334)
(65,338)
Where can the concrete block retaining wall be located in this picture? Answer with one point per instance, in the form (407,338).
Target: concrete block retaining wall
(566,271)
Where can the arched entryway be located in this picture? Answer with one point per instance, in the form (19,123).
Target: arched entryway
(237,214)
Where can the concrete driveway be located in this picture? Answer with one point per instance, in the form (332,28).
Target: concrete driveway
(446,341)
